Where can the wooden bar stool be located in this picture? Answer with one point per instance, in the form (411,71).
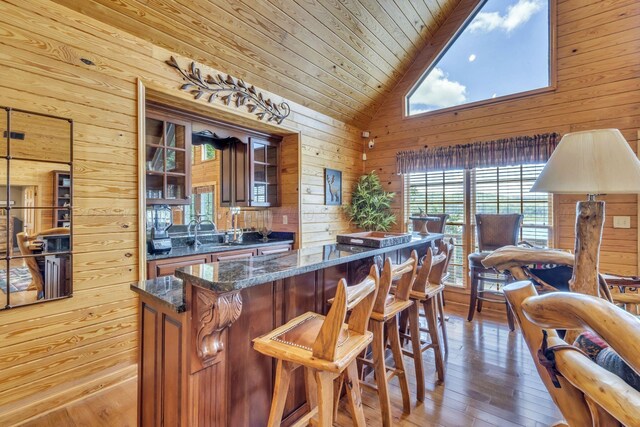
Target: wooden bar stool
(327,349)
(425,293)
(385,313)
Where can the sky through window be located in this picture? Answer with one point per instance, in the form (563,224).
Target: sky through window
(503,50)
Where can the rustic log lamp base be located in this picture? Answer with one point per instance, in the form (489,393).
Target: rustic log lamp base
(589,225)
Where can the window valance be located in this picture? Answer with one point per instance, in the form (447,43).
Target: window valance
(501,152)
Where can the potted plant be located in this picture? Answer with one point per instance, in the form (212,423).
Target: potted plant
(370,207)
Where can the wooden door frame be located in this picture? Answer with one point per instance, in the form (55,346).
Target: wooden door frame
(183,102)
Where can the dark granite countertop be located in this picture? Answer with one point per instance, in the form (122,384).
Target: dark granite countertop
(168,290)
(238,274)
(209,248)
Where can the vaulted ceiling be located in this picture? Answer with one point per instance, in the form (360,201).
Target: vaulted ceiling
(338,57)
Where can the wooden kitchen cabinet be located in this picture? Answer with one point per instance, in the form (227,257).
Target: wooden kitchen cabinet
(269,250)
(234,175)
(167,159)
(168,266)
(264,158)
(232,255)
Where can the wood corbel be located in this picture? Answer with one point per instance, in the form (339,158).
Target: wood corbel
(214,313)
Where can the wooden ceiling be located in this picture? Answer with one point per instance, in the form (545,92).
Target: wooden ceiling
(338,57)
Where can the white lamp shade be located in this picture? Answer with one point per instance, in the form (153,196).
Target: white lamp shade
(591,162)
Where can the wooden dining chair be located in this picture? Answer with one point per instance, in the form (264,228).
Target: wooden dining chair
(326,348)
(586,393)
(24,241)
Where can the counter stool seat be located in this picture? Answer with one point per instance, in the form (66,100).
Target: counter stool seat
(327,348)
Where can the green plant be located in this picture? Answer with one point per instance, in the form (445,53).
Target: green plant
(370,207)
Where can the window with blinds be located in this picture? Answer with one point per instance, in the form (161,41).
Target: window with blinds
(441,192)
(505,190)
(486,190)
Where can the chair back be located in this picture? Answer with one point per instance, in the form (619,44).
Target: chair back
(402,275)
(430,262)
(439,270)
(588,394)
(437,226)
(359,300)
(497,230)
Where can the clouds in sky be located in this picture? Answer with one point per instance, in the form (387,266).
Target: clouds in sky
(516,15)
(437,90)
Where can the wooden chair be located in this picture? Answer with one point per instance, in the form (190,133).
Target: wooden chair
(425,292)
(327,349)
(437,226)
(24,242)
(587,394)
(385,318)
(493,231)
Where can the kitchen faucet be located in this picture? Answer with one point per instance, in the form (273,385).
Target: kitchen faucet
(197,225)
(235,227)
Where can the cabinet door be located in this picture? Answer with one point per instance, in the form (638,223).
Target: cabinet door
(167,267)
(241,174)
(232,255)
(265,173)
(226,176)
(274,249)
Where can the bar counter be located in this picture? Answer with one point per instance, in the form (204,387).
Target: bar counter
(197,365)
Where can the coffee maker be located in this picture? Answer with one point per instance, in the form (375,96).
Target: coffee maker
(159,220)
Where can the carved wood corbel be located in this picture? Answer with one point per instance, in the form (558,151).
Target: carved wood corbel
(214,313)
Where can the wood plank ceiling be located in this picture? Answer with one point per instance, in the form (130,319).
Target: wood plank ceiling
(338,57)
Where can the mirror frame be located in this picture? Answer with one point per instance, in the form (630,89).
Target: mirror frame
(9,255)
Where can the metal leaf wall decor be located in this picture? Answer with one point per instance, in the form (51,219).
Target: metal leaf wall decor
(229,90)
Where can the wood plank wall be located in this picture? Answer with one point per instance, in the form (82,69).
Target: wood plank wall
(598,81)
(60,351)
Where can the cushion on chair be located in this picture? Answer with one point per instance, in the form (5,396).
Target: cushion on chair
(606,357)
(303,334)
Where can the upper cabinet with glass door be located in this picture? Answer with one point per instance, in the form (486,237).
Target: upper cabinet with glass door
(168,151)
(264,172)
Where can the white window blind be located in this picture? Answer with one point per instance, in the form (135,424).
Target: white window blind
(441,192)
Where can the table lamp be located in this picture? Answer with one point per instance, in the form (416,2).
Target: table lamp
(594,162)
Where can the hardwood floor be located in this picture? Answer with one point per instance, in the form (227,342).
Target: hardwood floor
(490,381)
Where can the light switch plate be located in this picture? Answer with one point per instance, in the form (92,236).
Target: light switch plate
(621,222)
(285,220)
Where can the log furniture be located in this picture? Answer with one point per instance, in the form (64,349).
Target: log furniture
(493,231)
(197,366)
(326,348)
(587,394)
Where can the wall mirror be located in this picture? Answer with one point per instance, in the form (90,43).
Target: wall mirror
(36,201)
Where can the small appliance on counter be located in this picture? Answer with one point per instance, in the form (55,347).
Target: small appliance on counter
(159,220)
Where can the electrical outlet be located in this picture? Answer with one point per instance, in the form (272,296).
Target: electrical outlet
(621,222)
(285,220)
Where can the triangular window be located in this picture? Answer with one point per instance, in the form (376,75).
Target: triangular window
(502,49)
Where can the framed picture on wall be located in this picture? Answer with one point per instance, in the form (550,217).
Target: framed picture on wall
(332,187)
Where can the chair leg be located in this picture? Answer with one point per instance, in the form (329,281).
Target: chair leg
(311,388)
(337,392)
(432,325)
(510,321)
(403,325)
(394,341)
(324,381)
(473,297)
(380,371)
(354,395)
(414,331)
(480,293)
(280,389)
(443,324)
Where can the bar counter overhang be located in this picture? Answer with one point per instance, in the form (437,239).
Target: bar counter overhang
(197,366)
